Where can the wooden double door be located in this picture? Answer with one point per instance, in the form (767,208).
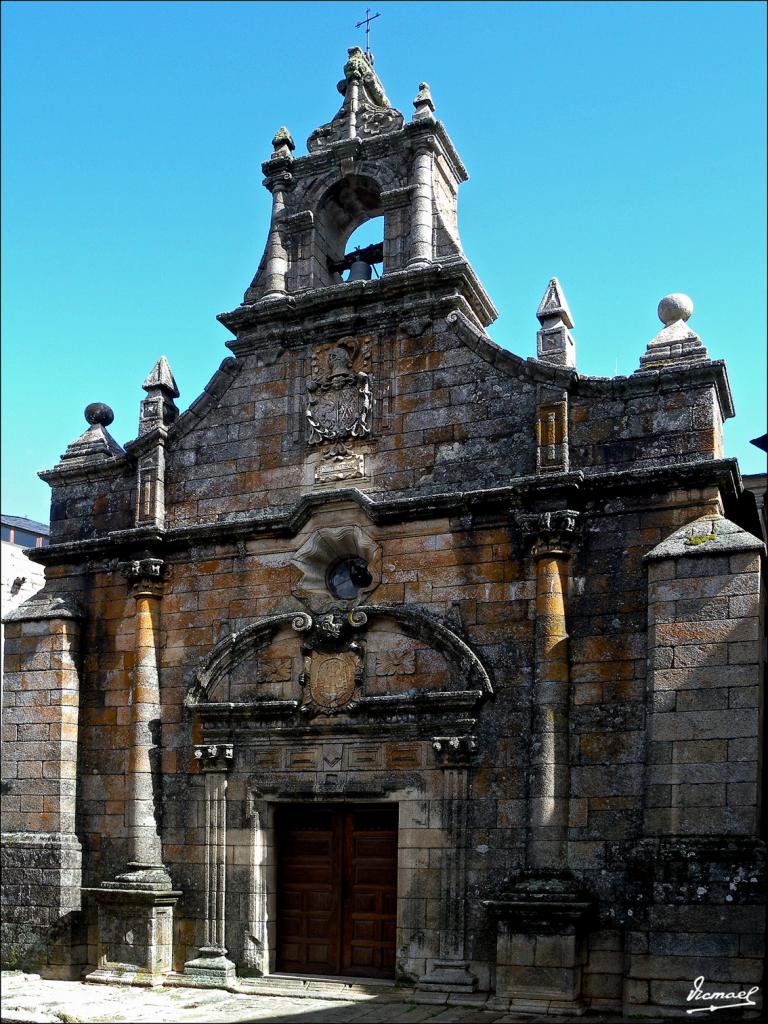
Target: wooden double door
(337,889)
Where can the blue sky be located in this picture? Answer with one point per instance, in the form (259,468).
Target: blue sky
(617,146)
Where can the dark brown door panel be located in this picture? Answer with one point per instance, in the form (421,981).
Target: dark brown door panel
(337,890)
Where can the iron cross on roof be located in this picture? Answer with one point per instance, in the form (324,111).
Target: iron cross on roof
(367,22)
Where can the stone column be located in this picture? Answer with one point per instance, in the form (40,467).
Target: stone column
(211,966)
(542,921)
(256,948)
(136,909)
(276,257)
(549,534)
(422,254)
(450,973)
(353,105)
(145,853)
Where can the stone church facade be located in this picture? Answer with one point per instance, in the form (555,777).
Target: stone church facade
(395,655)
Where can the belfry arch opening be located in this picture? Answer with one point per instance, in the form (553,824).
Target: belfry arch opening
(346,209)
(365,246)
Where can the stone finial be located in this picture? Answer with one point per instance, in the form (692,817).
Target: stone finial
(366,110)
(161,377)
(675,307)
(676,342)
(98,413)
(553,308)
(423,103)
(554,342)
(158,408)
(283,145)
(96,444)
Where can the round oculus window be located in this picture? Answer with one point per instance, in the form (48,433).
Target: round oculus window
(347,577)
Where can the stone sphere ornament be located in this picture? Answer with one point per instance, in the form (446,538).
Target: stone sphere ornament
(675,307)
(98,412)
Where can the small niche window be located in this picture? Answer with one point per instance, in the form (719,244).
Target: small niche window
(347,577)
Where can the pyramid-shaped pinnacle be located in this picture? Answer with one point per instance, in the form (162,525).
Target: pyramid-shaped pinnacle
(553,306)
(96,443)
(160,376)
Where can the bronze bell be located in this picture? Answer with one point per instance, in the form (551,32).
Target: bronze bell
(360,271)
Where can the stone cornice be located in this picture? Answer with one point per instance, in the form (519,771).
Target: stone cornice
(300,309)
(320,326)
(219,383)
(43,605)
(649,382)
(530,493)
(96,471)
(431,126)
(140,445)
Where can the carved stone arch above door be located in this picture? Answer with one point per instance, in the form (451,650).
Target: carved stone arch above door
(423,667)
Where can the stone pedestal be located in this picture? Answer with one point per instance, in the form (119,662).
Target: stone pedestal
(541,947)
(135,934)
(448,976)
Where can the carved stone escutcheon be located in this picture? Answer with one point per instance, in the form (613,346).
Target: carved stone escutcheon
(331,679)
(333,662)
(454,751)
(214,757)
(340,401)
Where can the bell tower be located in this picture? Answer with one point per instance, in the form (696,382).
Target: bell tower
(366,162)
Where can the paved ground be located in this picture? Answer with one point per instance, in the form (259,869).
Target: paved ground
(26,999)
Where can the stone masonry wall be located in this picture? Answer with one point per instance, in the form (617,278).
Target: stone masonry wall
(41,854)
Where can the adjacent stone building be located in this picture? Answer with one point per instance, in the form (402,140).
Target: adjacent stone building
(395,655)
(20,577)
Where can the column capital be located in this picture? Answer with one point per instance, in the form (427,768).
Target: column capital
(281,181)
(214,757)
(549,533)
(145,576)
(454,751)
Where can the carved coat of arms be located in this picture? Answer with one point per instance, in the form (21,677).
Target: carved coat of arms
(333,662)
(339,404)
